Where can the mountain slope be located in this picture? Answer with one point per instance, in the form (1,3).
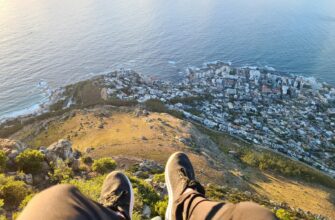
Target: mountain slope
(130,135)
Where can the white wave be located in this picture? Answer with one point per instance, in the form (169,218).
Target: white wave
(44,88)
(34,109)
(205,64)
(47,98)
(269,68)
(172,62)
(250,67)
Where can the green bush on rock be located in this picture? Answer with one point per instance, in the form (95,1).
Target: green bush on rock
(160,207)
(90,188)
(283,215)
(104,165)
(30,161)
(159,178)
(3,160)
(12,192)
(61,172)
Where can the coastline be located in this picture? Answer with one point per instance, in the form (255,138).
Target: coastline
(55,95)
(251,103)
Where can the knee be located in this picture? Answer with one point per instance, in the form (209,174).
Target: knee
(57,191)
(62,188)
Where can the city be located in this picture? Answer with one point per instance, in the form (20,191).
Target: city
(293,115)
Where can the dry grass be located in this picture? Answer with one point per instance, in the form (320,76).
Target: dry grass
(156,136)
(315,199)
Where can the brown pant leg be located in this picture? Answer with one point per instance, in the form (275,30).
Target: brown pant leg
(65,202)
(197,207)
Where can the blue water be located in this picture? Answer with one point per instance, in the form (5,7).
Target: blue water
(56,42)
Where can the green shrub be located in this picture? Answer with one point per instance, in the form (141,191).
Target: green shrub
(283,215)
(12,192)
(156,105)
(190,100)
(25,201)
(265,160)
(86,159)
(143,175)
(61,172)
(159,178)
(3,160)
(90,188)
(160,207)
(104,165)
(30,161)
(16,215)
(268,160)
(144,193)
(137,216)
(2,203)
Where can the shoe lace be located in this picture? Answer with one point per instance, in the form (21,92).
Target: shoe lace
(190,183)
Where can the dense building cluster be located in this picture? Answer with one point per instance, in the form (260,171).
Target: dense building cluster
(293,115)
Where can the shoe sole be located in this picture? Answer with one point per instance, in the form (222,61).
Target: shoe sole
(131,206)
(168,213)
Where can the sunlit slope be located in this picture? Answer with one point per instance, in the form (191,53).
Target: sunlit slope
(129,134)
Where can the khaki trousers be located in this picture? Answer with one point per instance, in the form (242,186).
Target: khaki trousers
(65,202)
(194,206)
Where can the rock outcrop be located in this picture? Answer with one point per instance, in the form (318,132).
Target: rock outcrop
(11,147)
(61,149)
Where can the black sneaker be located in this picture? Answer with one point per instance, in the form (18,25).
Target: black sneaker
(117,194)
(179,176)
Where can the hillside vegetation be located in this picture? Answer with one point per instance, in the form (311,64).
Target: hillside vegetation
(231,169)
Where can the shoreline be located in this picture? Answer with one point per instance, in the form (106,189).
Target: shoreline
(251,103)
(55,94)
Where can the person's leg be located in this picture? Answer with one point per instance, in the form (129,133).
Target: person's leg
(195,206)
(65,202)
(187,200)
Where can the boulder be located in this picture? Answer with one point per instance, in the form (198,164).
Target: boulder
(150,166)
(45,167)
(61,149)
(146,213)
(248,194)
(28,179)
(38,179)
(76,154)
(8,145)
(13,154)
(43,150)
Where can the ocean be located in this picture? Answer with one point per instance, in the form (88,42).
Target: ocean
(46,44)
